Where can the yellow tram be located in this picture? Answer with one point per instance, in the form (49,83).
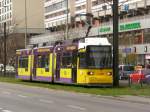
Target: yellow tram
(84,62)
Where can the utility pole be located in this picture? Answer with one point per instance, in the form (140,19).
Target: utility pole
(25,35)
(67,11)
(115,44)
(5,55)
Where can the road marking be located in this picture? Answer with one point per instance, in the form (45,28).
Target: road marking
(5,92)
(23,96)
(76,107)
(46,101)
(6,111)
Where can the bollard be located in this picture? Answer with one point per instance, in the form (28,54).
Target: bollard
(129,81)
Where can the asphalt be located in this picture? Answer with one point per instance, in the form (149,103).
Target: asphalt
(21,98)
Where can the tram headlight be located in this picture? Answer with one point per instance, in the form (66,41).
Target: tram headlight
(109,73)
(58,49)
(90,73)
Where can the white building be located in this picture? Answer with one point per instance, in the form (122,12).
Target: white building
(56,10)
(23,18)
(5,12)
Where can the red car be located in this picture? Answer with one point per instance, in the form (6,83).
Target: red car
(139,75)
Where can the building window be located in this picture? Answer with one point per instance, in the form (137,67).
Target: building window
(56,6)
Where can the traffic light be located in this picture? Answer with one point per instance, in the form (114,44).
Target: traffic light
(145,49)
(134,49)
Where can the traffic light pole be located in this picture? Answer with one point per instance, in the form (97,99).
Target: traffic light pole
(115,44)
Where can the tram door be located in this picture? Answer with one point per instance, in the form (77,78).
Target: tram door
(74,67)
(34,66)
(24,66)
(58,64)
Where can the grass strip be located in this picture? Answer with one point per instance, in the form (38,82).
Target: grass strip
(133,90)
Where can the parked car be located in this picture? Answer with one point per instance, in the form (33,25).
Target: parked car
(147,79)
(9,69)
(140,75)
(1,66)
(125,70)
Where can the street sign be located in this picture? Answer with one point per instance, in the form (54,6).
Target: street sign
(126,50)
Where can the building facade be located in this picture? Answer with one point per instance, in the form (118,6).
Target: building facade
(23,18)
(57,11)
(20,15)
(5,12)
(134,27)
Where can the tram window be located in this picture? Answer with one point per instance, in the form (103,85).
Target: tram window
(43,61)
(82,61)
(74,59)
(66,60)
(23,62)
(99,57)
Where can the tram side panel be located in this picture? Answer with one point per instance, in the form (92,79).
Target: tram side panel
(24,64)
(66,65)
(43,64)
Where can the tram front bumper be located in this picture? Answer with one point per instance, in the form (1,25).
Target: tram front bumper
(99,80)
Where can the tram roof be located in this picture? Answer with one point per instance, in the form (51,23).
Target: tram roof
(43,47)
(23,50)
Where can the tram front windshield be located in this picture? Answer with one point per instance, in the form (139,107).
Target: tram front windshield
(96,57)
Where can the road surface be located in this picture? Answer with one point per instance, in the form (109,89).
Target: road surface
(20,98)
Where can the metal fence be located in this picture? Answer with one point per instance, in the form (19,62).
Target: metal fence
(8,74)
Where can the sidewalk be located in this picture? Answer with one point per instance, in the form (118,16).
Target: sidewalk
(133,99)
(129,98)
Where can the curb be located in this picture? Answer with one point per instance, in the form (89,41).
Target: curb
(120,98)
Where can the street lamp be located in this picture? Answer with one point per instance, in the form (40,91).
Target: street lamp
(67,12)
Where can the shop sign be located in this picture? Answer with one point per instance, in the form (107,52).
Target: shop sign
(122,27)
(127,50)
(105,29)
(130,26)
(138,67)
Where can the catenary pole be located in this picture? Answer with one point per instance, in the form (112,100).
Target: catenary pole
(115,44)
(25,36)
